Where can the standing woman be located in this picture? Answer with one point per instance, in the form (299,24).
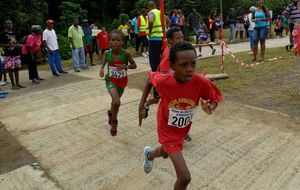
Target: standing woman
(30,50)
(260,17)
(12,55)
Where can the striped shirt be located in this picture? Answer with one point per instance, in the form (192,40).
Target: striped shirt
(293,13)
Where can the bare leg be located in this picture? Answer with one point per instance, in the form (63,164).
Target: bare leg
(262,51)
(182,171)
(158,152)
(255,46)
(11,77)
(115,103)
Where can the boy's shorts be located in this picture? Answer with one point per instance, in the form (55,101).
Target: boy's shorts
(172,147)
(110,86)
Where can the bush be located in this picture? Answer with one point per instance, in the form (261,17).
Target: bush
(64,47)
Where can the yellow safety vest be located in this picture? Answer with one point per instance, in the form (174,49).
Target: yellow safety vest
(157,29)
(144,25)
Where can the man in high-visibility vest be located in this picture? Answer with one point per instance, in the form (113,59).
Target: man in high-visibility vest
(155,35)
(142,23)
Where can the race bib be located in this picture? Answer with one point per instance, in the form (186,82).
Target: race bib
(180,118)
(115,73)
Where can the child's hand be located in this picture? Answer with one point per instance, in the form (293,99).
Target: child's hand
(101,73)
(206,106)
(142,114)
(120,67)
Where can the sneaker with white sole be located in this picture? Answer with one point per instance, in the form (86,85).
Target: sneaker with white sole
(148,164)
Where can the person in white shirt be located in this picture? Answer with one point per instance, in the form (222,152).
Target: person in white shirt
(50,41)
(251,27)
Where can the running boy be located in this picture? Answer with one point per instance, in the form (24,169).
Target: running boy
(116,78)
(180,93)
(203,36)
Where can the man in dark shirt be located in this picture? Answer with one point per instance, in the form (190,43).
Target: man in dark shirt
(193,21)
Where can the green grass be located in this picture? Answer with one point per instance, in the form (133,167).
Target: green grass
(240,75)
(1,125)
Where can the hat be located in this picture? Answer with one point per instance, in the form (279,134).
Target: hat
(49,21)
(252,8)
(36,28)
(84,20)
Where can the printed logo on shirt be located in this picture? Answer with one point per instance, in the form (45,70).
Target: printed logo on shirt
(181,112)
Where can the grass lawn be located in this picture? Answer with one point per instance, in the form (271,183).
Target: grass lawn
(273,85)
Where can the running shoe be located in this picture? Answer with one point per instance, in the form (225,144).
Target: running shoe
(148,164)
(114,126)
(188,138)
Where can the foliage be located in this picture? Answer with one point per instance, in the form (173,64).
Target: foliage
(64,47)
(69,12)
(23,13)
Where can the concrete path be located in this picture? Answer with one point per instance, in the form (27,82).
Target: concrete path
(64,125)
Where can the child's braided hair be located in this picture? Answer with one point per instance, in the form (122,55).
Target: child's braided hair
(117,32)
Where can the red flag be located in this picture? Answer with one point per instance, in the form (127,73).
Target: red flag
(163,24)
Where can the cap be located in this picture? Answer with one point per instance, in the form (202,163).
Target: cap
(252,8)
(84,20)
(49,21)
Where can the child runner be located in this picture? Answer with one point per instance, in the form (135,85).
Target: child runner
(176,108)
(174,35)
(203,36)
(116,79)
(219,26)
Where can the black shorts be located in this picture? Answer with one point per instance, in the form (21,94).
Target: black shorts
(144,41)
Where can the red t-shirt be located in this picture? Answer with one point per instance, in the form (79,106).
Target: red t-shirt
(164,66)
(102,38)
(34,42)
(178,102)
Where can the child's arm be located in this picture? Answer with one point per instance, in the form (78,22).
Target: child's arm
(147,89)
(131,61)
(101,73)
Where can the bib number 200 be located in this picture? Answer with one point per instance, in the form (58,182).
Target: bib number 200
(180,118)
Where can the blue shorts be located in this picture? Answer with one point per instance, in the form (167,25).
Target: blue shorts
(260,34)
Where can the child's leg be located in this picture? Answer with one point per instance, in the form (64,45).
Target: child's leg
(115,103)
(182,171)
(158,152)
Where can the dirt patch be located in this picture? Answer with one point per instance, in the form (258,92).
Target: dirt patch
(12,154)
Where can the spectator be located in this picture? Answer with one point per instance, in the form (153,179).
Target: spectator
(285,24)
(193,22)
(2,72)
(175,19)
(50,41)
(231,19)
(212,25)
(261,17)
(240,21)
(88,40)
(134,24)
(250,28)
(95,26)
(142,22)
(219,26)
(155,35)
(293,14)
(12,55)
(75,34)
(182,22)
(103,43)
(278,26)
(30,49)
(124,28)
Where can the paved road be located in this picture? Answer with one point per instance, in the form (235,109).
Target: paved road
(63,123)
